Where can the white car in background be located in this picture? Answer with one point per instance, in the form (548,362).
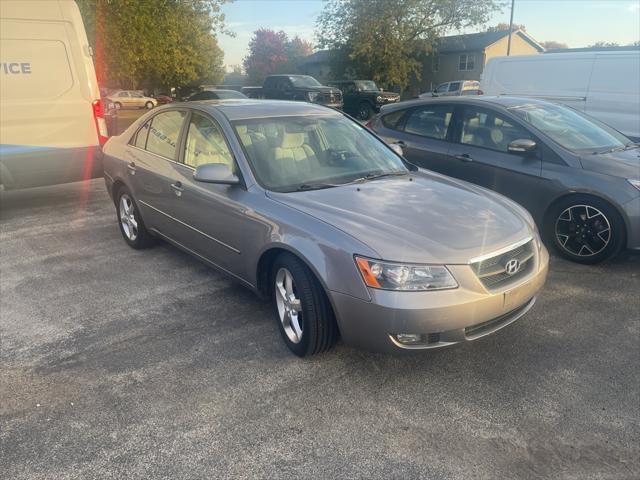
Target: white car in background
(131,99)
(603,84)
(455,88)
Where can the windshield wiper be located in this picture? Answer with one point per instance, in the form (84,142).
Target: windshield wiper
(314,186)
(373,176)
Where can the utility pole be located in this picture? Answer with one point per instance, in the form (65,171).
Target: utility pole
(510,29)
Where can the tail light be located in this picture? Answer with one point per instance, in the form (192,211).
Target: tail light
(480,92)
(101,123)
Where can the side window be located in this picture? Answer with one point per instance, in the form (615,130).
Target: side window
(164,133)
(347,88)
(123,94)
(140,139)
(442,88)
(485,128)
(206,143)
(391,120)
(454,86)
(430,121)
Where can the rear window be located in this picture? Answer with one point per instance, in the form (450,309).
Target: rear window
(392,119)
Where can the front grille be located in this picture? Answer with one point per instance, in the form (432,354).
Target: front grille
(495,323)
(492,271)
(332,97)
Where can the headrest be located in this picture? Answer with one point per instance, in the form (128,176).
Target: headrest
(242,129)
(497,136)
(292,140)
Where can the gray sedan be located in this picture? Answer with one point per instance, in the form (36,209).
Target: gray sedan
(305,206)
(579,178)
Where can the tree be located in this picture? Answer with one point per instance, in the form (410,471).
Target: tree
(602,44)
(502,27)
(387,41)
(154,43)
(272,52)
(552,44)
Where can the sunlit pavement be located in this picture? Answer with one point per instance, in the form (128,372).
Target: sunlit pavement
(118,363)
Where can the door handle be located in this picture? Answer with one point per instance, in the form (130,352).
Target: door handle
(132,168)
(177,188)
(465,157)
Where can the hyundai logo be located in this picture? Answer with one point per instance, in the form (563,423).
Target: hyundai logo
(512,266)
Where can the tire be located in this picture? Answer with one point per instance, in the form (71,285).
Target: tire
(130,222)
(117,105)
(148,105)
(365,111)
(584,229)
(317,331)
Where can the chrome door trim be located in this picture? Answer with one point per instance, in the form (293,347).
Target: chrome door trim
(506,249)
(234,250)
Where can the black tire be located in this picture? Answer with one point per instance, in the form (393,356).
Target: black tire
(319,328)
(584,229)
(117,105)
(142,238)
(148,105)
(365,111)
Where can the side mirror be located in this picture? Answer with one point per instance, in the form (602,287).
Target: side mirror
(219,173)
(522,145)
(396,148)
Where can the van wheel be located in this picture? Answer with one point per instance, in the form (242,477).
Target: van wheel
(148,105)
(130,222)
(585,229)
(117,105)
(304,314)
(365,111)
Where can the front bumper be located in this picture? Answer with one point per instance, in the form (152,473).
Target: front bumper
(443,317)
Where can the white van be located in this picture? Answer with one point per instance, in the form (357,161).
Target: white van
(51,121)
(605,85)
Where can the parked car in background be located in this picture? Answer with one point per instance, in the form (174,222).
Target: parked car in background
(131,99)
(603,84)
(362,98)
(216,95)
(579,178)
(302,88)
(456,88)
(304,205)
(163,98)
(52,119)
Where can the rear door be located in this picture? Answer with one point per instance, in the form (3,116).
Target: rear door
(480,141)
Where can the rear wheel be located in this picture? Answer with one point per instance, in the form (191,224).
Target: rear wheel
(303,311)
(365,111)
(130,222)
(117,105)
(148,105)
(585,229)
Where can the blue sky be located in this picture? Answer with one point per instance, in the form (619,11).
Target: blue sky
(576,22)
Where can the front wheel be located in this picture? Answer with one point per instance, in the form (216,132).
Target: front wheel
(303,311)
(148,105)
(117,105)
(365,111)
(585,229)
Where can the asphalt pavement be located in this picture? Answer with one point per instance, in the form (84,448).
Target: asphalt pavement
(117,363)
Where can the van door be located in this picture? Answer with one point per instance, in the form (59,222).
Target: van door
(614,92)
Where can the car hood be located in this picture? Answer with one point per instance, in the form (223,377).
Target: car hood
(625,164)
(321,89)
(384,94)
(418,218)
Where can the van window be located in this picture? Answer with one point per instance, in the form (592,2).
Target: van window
(454,86)
(442,88)
(164,132)
(28,76)
(431,121)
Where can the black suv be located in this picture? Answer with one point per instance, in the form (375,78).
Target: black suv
(296,87)
(363,98)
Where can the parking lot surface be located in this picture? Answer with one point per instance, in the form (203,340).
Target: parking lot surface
(119,363)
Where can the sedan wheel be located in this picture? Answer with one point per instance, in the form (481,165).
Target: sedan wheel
(289,306)
(127,218)
(130,222)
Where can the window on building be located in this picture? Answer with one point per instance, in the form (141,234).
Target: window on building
(467,62)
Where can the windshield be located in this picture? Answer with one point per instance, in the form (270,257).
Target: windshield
(571,129)
(304,81)
(367,85)
(313,151)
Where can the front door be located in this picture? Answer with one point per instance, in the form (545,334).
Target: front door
(480,146)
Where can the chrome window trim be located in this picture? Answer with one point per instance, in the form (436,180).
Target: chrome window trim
(162,157)
(500,252)
(234,250)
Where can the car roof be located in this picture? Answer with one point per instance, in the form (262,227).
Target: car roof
(242,109)
(500,101)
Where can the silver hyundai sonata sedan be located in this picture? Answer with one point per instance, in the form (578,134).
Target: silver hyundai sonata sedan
(305,206)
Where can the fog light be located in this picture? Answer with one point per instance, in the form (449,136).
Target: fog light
(409,338)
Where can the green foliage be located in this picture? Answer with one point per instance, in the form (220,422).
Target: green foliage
(155,43)
(504,27)
(553,45)
(273,52)
(387,41)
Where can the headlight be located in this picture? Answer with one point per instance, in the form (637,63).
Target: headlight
(379,99)
(405,277)
(312,96)
(635,183)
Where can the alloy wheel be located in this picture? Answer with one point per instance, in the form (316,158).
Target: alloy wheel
(289,305)
(127,217)
(583,230)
